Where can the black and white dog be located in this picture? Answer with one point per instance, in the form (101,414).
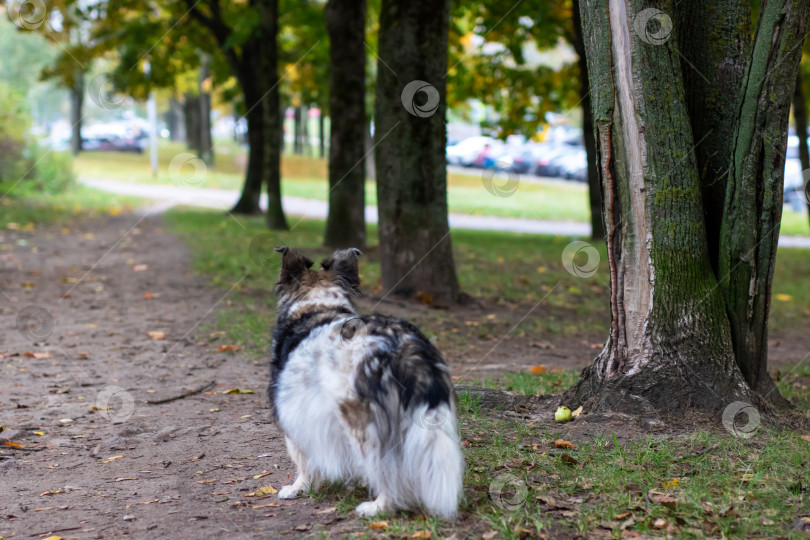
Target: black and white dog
(361,398)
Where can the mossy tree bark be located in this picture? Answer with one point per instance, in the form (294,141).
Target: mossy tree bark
(410,134)
(346,221)
(684,333)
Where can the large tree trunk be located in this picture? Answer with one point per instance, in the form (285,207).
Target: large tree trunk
(670,343)
(346,222)
(258,76)
(800,118)
(411,134)
(206,151)
(594,188)
(76,114)
(752,212)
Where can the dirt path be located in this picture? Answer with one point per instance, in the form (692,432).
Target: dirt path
(101,461)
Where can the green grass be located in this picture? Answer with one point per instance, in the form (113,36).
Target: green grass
(74,203)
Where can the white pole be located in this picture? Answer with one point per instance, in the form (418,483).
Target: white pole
(151,112)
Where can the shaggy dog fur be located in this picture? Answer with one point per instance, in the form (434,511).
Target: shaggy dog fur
(361,398)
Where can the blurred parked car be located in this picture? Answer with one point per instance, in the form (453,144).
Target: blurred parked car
(115,144)
(548,164)
(465,153)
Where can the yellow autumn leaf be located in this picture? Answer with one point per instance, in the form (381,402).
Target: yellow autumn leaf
(40,433)
(671,483)
(379,526)
(237,391)
(784,297)
(424,533)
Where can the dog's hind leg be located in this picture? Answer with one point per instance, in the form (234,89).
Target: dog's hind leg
(302,479)
(372,508)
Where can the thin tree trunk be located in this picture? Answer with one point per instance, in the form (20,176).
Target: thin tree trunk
(258,77)
(670,345)
(346,222)
(368,145)
(206,146)
(76,113)
(594,188)
(800,118)
(297,146)
(176,121)
(411,134)
(753,203)
(191,114)
(321,135)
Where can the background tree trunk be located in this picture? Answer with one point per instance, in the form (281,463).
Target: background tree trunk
(321,134)
(594,189)
(206,147)
(76,113)
(176,121)
(346,222)
(297,146)
(257,71)
(191,115)
(800,118)
(415,247)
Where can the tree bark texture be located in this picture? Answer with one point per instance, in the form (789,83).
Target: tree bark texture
(752,211)
(410,136)
(346,221)
(191,116)
(206,146)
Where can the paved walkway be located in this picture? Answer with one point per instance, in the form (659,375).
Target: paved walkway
(310,208)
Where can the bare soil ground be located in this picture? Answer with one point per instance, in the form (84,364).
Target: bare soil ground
(104,317)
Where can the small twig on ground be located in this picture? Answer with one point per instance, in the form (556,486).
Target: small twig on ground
(23,448)
(191,392)
(56,530)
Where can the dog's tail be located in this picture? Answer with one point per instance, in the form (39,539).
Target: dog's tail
(433,460)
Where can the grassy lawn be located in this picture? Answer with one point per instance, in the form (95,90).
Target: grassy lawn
(76,202)
(694,483)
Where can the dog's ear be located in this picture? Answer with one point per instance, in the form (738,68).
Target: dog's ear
(343,265)
(293,265)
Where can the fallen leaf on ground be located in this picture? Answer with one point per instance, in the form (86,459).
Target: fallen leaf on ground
(40,433)
(327,510)
(424,533)
(266,490)
(38,355)
(660,523)
(671,483)
(575,413)
(28,285)
(230,348)
(109,460)
(262,474)
(54,492)
(237,391)
(66,420)
(53,538)
(806,438)
(379,526)
(148,296)
(150,502)
(268,505)
(662,498)
(157,335)
(125,479)
(622,515)
(562,443)
(140,267)
(425,298)
(538,369)
(43,509)
(568,460)
(206,481)
(784,297)
(13,444)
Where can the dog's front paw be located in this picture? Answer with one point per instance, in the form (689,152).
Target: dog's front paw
(368,509)
(288,492)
